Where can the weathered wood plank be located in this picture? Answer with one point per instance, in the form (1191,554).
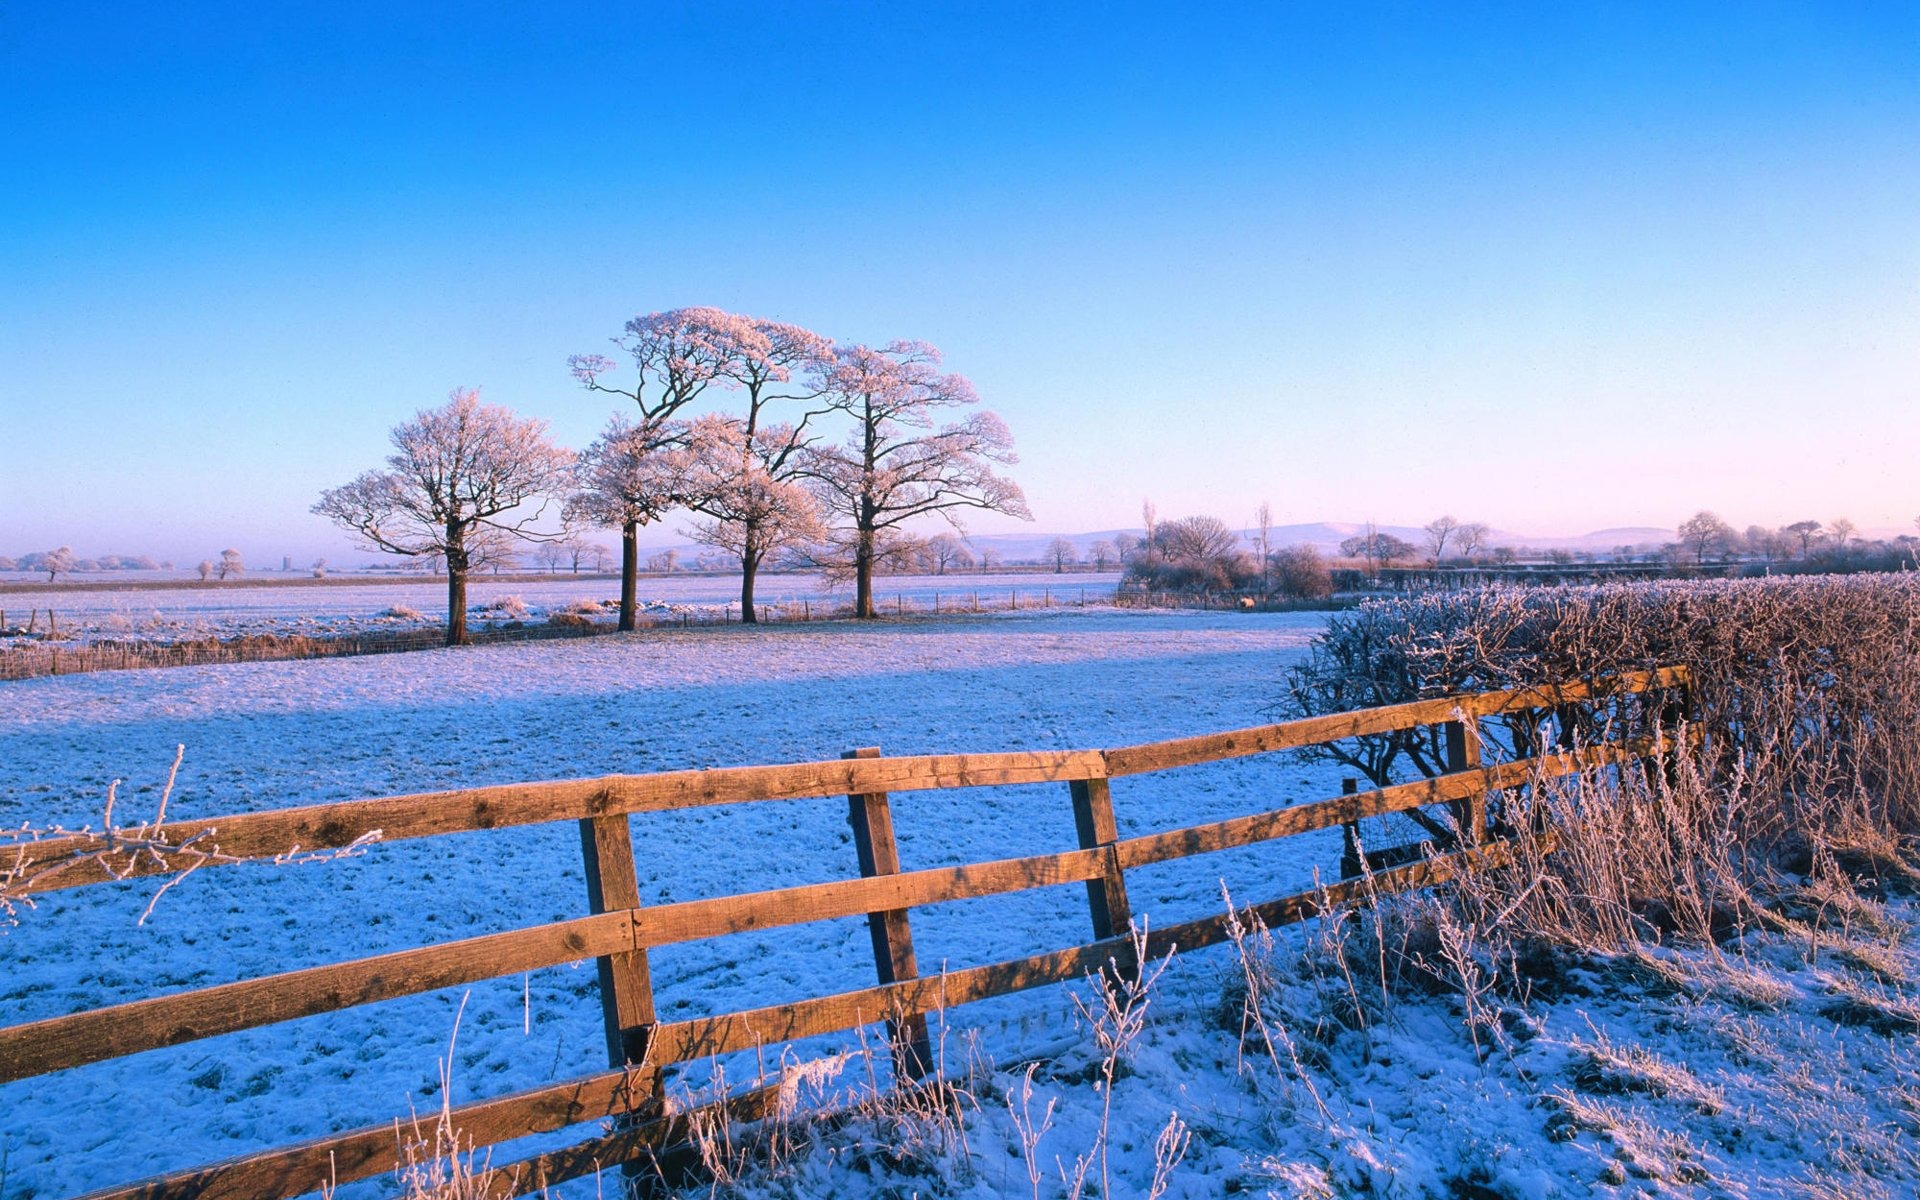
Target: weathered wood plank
(1357,806)
(373,1150)
(70,1041)
(1310,731)
(393,818)
(690,920)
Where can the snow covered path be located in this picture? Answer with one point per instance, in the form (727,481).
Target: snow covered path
(277,734)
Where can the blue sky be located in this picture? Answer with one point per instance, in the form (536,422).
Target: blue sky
(1557,270)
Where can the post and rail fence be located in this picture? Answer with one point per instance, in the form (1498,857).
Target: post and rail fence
(618,929)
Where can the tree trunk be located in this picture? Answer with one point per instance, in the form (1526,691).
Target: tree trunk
(456,606)
(457,565)
(629,573)
(863,576)
(750,555)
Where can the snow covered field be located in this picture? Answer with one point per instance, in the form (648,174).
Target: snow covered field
(278,734)
(335,608)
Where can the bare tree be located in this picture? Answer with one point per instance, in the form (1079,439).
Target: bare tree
(1060,552)
(677,355)
(1263,521)
(1125,546)
(1102,554)
(1149,516)
(1705,533)
(1300,572)
(231,563)
(665,562)
(901,463)
(989,558)
(551,555)
(1377,549)
(1806,532)
(1194,554)
(1470,537)
(601,556)
(457,471)
(631,475)
(1439,532)
(740,481)
(1840,531)
(752,496)
(948,553)
(57,562)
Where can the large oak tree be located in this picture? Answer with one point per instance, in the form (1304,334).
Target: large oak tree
(460,476)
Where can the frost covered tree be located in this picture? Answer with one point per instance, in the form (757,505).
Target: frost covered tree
(740,482)
(629,477)
(947,552)
(902,461)
(462,477)
(1263,527)
(678,355)
(1061,552)
(231,563)
(1101,553)
(1805,532)
(752,466)
(1705,533)
(1439,532)
(206,569)
(57,562)
(1470,537)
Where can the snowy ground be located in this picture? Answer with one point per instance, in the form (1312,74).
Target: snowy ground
(1783,1066)
(334,608)
(276,734)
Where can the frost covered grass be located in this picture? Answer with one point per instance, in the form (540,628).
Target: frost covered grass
(340,609)
(1693,996)
(275,734)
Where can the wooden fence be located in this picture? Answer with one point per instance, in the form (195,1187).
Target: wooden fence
(1635,712)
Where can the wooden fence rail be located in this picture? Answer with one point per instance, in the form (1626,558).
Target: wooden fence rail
(619,930)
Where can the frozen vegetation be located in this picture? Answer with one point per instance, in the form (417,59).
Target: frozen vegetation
(1401,1051)
(340,609)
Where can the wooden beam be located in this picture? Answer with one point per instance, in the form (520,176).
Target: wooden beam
(1310,731)
(81,859)
(70,1041)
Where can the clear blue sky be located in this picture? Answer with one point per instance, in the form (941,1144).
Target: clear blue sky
(1555,267)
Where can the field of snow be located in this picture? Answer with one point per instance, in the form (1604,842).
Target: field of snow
(336,607)
(277,734)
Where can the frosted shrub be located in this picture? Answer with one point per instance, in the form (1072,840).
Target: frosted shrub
(1805,689)
(402,612)
(507,608)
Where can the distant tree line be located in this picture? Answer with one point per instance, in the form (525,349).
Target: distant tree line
(64,561)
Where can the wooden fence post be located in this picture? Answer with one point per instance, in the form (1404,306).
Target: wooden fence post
(1463,754)
(626,984)
(1350,863)
(1107,895)
(871,816)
